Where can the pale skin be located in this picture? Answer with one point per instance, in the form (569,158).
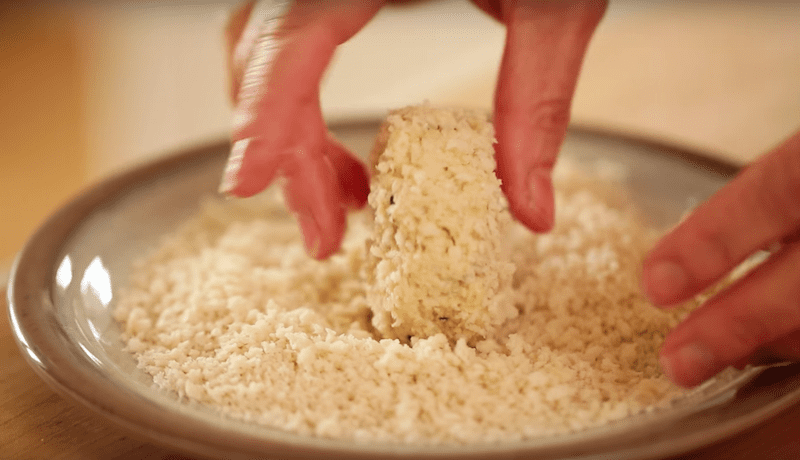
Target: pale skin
(755,320)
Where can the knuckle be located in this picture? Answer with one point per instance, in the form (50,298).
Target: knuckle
(549,116)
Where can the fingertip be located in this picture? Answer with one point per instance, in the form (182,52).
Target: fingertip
(310,232)
(320,241)
(329,244)
(326,238)
(664,282)
(689,365)
(250,168)
(529,216)
(312,194)
(532,203)
(696,350)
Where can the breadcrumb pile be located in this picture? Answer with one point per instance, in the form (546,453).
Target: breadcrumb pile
(230,312)
(436,261)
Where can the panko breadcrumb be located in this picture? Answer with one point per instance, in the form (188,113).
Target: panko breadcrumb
(230,312)
(436,259)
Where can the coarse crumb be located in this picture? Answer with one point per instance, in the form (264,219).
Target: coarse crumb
(436,258)
(230,312)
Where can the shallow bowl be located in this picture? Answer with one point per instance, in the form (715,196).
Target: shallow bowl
(64,283)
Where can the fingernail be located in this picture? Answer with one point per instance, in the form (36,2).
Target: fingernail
(664,282)
(230,177)
(684,365)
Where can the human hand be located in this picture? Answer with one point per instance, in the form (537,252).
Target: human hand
(756,319)
(279,131)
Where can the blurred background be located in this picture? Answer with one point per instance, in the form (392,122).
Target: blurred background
(89,89)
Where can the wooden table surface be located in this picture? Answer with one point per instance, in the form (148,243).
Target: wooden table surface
(36,423)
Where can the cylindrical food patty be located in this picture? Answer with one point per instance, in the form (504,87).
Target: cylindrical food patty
(436,259)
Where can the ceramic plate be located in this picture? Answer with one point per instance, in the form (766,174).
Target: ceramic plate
(63,286)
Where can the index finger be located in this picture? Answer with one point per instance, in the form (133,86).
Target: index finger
(544,50)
